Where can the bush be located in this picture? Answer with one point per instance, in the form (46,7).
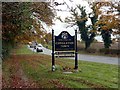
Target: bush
(91,50)
(110,51)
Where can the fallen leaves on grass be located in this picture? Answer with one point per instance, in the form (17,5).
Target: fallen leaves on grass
(57,83)
(17,77)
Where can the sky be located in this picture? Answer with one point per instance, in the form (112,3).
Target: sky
(60,26)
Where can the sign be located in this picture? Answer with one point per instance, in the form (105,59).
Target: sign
(64,42)
(64,45)
(64,54)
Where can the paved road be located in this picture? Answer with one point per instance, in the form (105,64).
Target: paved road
(91,58)
(100,59)
(45,50)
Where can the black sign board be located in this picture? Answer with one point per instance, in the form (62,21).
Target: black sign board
(64,45)
(64,42)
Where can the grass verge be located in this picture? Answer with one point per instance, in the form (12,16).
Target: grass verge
(23,49)
(37,67)
(90,75)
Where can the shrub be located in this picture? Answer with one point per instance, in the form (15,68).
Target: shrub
(110,51)
(91,50)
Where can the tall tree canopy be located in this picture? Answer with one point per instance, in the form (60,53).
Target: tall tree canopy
(104,19)
(108,23)
(88,32)
(17,22)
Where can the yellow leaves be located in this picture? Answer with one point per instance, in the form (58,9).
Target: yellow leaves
(81,19)
(108,22)
(104,28)
(96,7)
(43,11)
(93,31)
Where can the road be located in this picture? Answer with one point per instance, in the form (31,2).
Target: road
(91,58)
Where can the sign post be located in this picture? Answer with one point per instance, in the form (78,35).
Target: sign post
(76,59)
(53,59)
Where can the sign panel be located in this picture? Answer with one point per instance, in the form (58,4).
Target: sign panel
(64,42)
(64,54)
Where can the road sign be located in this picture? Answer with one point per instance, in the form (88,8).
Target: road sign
(64,45)
(64,42)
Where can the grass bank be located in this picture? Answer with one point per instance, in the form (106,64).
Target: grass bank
(37,67)
(22,49)
(90,75)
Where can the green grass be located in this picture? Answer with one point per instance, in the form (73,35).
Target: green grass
(90,74)
(49,46)
(24,50)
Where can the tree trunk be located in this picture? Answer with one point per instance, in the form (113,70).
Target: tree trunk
(87,45)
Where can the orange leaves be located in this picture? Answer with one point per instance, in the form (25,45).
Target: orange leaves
(16,21)
(108,18)
(23,38)
(105,28)
(93,31)
(43,11)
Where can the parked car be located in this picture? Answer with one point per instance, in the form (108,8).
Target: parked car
(39,48)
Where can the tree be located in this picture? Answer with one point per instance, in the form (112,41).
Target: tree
(41,15)
(48,37)
(87,32)
(82,27)
(17,22)
(43,12)
(14,24)
(108,22)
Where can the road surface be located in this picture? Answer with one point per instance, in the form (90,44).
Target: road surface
(91,58)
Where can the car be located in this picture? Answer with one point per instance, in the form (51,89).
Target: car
(39,48)
(33,45)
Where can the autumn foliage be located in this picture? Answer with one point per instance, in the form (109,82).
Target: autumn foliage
(17,22)
(104,21)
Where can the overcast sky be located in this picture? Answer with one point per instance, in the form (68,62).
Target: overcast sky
(59,26)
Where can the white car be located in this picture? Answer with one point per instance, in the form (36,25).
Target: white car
(39,48)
